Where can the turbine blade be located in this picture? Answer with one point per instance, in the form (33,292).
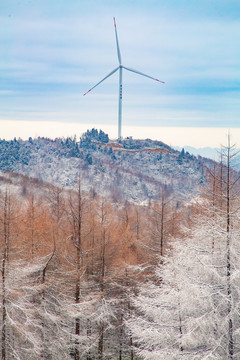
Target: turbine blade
(112,72)
(140,73)
(118,49)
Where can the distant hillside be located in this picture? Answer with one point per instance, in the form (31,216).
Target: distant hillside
(211,153)
(132,170)
(207,152)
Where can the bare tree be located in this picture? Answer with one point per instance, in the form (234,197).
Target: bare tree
(5,234)
(195,311)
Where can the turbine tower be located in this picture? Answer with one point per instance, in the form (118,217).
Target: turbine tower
(120,68)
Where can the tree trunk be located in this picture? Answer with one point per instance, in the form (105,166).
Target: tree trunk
(229,290)
(6,234)
(76,209)
(162,224)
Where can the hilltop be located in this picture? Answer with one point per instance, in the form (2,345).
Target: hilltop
(130,169)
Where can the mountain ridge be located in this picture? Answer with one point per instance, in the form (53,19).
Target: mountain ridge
(134,170)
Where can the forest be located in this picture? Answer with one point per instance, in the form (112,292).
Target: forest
(133,172)
(84,277)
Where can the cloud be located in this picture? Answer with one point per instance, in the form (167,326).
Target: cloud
(54,53)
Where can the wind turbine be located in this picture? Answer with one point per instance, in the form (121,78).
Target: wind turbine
(120,68)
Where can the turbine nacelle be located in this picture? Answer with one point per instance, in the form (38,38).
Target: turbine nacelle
(120,67)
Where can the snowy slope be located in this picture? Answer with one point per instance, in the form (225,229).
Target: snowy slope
(135,172)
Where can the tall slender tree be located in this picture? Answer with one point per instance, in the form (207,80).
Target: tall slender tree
(194,313)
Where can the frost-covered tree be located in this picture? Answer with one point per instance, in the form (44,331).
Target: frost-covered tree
(21,330)
(186,315)
(20,327)
(193,312)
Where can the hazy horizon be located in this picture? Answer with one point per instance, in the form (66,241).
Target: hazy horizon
(174,136)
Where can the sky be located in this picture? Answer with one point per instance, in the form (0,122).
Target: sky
(52,52)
